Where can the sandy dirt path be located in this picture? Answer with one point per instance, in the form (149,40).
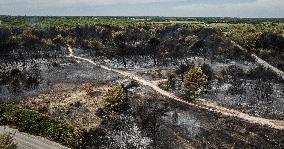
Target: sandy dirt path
(264,63)
(26,141)
(200,103)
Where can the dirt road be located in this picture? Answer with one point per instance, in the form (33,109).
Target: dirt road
(198,103)
(265,64)
(26,141)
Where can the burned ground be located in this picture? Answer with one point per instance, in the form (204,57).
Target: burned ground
(150,120)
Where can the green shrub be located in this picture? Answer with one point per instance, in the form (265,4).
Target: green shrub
(114,98)
(195,83)
(156,73)
(3,75)
(92,44)
(89,88)
(37,124)
(191,40)
(55,63)
(170,81)
(47,42)
(247,37)
(77,104)
(7,142)
(58,39)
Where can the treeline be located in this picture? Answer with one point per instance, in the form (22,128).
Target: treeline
(33,20)
(158,42)
(265,40)
(124,37)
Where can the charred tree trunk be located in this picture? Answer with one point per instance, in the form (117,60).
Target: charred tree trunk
(124,61)
(154,57)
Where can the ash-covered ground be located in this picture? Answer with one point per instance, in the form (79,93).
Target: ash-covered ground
(240,84)
(151,120)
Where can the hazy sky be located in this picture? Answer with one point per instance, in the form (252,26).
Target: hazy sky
(187,8)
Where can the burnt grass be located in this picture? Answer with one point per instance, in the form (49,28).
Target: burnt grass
(204,129)
(67,71)
(237,84)
(200,129)
(150,120)
(218,131)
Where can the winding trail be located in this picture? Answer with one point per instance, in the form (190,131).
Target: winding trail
(264,63)
(200,103)
(27,141)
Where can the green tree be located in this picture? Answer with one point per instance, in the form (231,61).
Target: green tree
(191,40)
(114,98)
(29,39)
(195,83)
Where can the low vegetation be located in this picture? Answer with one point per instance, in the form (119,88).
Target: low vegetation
(156,73)
(7,142)
(89,88)
(170,81)
(115,98)
(37,124)
(2,75)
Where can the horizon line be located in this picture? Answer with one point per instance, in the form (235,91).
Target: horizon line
(143,16)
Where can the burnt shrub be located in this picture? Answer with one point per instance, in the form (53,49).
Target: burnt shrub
(262,73)
(207,70)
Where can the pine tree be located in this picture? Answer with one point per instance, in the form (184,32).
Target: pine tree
(195,83)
